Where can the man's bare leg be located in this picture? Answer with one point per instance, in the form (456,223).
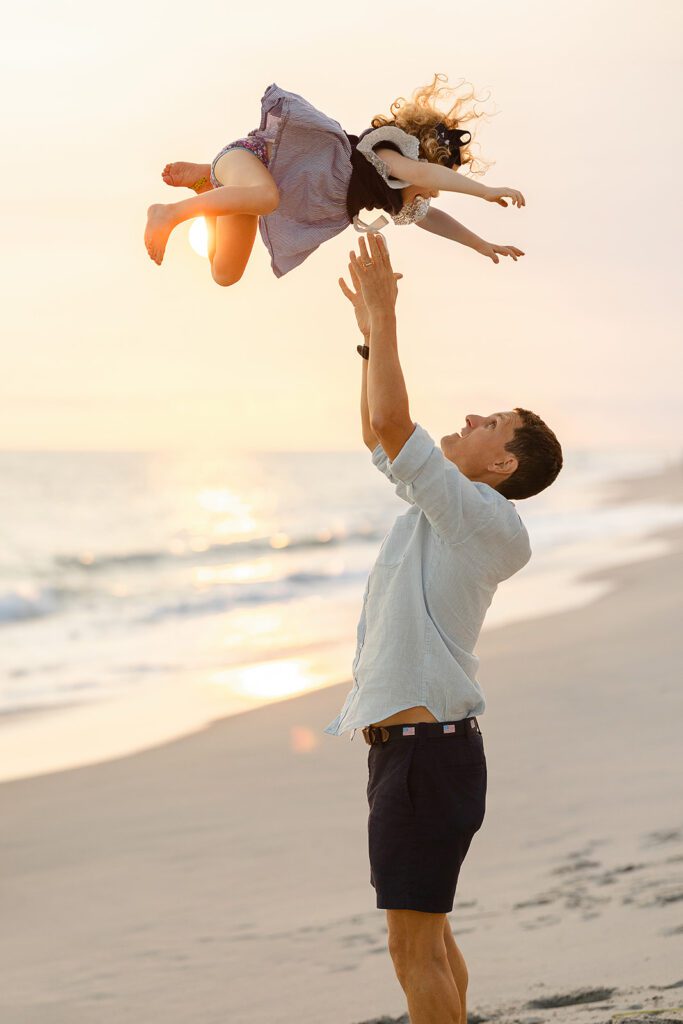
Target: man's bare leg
(417,946)
(458,967)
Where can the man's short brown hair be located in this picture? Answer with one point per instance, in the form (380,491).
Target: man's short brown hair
(539,455)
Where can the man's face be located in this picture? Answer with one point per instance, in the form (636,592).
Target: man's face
(478,448)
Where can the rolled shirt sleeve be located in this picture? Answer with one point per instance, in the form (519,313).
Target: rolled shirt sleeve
(455,506)
(381,460)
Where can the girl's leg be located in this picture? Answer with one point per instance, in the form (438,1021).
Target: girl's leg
(234,236)
(183,174)
(211,238)
(251,190)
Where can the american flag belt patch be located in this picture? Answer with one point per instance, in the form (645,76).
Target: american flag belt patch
(380,734)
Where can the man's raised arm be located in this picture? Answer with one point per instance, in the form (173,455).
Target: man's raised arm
(370,438)
(387,396)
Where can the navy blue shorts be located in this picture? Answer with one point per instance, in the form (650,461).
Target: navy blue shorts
(427,797)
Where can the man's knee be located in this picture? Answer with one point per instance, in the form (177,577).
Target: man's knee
(409,956)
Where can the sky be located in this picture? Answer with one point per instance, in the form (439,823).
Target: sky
(104,349)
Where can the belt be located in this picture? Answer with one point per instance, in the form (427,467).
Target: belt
(382,733)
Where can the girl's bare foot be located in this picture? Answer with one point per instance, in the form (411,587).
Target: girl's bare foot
(184,175)
(160,224)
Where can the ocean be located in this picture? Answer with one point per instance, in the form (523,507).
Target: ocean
(240,577)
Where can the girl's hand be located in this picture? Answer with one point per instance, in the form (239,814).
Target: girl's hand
(490,250)
(496,195)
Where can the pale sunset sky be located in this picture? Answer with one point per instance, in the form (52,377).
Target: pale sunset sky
(104,349)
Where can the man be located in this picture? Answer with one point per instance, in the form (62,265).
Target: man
(414,689)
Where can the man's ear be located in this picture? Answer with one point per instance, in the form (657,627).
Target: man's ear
(506,465)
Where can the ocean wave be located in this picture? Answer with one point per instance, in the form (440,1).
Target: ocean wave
(30,601)
(287,588)
(26,603)
(218,551)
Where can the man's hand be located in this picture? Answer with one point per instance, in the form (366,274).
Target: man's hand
(374,277)
(490,249)
(356,297)
(357,301)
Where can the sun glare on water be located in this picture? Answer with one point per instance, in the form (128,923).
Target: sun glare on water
(199,236)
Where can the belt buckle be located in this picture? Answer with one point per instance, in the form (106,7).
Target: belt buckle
(375,734)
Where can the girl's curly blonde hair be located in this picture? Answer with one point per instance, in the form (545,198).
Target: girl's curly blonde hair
(420,115)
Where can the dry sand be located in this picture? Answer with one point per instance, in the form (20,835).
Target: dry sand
(224,876)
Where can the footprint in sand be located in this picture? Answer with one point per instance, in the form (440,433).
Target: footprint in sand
(582,995)
(662,835)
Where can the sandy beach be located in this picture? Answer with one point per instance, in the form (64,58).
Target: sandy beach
(224,876)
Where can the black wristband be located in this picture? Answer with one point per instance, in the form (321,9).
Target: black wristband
(363,350)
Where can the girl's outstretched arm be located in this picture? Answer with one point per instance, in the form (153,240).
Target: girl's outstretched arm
(436,176)
(438,222)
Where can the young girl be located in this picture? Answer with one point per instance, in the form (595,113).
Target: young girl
(301,179)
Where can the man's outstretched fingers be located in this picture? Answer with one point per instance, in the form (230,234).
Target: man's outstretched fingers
(354,276)
(346,290)
(383,253)
(375,251)
(364,250)
(379,247)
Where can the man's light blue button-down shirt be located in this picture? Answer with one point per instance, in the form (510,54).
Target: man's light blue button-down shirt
(429,589)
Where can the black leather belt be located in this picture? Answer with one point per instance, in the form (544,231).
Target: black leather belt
(382,733)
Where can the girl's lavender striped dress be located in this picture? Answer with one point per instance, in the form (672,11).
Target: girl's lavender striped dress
(310,163)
